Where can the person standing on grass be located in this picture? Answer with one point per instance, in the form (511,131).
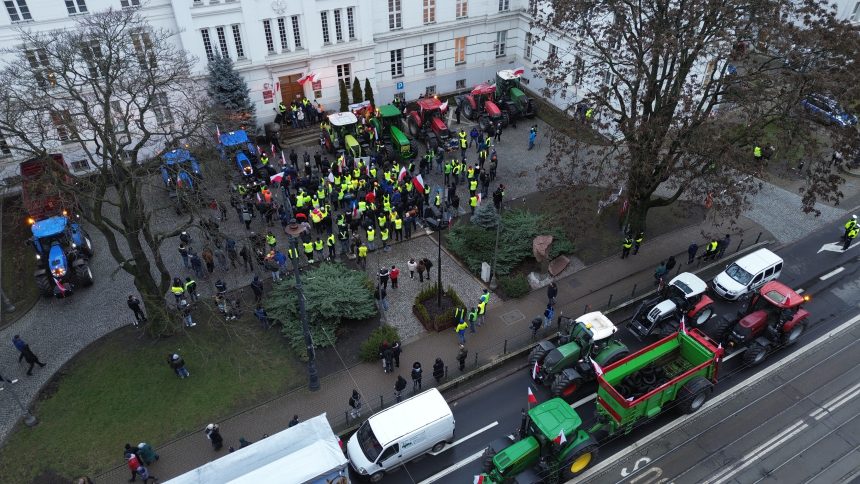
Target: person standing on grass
(178,365)
(262,316)
(257,288)
(134,305)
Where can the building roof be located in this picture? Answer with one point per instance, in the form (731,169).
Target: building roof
(419,411)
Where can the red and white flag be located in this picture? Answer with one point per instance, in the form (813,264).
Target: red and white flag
(479,197)
(535,370)
(532,398)
(402,174)
(272,146)
(418,182)
(560,439)
(479,479)
(519,71)
(283,160)
(444,106)
(597,369)
(218,134)
(276,178)
(682,326)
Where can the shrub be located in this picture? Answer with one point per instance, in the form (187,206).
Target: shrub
(515,286)
(437,321)
(369,350)
(333,294)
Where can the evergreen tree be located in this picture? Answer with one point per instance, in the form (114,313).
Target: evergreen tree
(229,92)
(485,216)
(356,91)
(344,96)
(368,92)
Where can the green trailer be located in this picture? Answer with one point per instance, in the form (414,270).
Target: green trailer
(678,372)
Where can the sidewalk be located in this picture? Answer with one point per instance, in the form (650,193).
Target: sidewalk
(605,283)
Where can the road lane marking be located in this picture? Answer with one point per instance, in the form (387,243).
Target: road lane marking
(461,440)
(832,273)
(836,402)
(800,291)
(582,402)
(760,452)
(761,375)
(736,353)
(468,460)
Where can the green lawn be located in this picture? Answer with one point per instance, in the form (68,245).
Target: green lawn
(18,261)
(120,390)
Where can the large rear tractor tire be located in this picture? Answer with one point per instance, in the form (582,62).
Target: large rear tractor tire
(536,356)
(724,327)
(414,129)
(563,386)
(791,337)
(580,462)
(694,394)
(702,317)
(84,275)
(468,112)
(87,247)
(755,355)
(46,288)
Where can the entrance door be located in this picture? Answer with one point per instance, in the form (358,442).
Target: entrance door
(290,88)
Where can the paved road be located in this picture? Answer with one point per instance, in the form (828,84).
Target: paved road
(833,280)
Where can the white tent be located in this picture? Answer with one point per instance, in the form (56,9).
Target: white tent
(310,453)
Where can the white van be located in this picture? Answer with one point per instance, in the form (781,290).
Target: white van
(401,433)
(747,274)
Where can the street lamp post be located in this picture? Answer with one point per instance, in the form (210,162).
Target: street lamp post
(493,282)
(293,231)
(439,257)
(30,420)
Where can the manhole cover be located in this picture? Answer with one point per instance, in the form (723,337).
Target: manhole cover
(512,317)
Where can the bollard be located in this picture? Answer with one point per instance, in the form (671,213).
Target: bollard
(476,359)
(380,402)
(679,269)
(739,246)
(346,414)
(609,304)
(634,290)
(586,308)
(757,238)
(505,350)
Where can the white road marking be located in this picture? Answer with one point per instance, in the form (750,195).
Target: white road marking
(800,291)
(674,424)
(757,453)
(461,440)
(582,402)
(836,402)
(832,273)
(736,353)
(468,460)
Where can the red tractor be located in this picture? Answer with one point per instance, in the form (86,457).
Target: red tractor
(773,318)
(428,123)
(479,105)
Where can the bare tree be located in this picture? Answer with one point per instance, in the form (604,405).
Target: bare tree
(689,89)
(115,92)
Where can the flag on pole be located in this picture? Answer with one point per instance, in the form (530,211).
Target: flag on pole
(519,71)
(276,178)
(478,479)
(444,106)
(218,134)
(597,369)
(418,182)
(272,146)
(532,398)
(402,174)
(682,326)
(354,209)
(535,371)
(479,197)
(560,439)
(283,160)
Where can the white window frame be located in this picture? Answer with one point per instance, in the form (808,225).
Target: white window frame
(267,33)
(142,43)
(462,9)
(395,15)
(460,50)
(527,48)
(237,41)
(504,5)
(460,84)
(133,3)
(855,14)
(18,10)
(207,44)
(430,57)
(350,22)
(552,51)
(429,12)
(41,65)
(161,109)
(500,45)
(92,54)
(222,40)
(578,70)
(430,91)
(338,25)
(61,120)
(324,25)
(282,34)
(344,73)
(396,57)
(80,165)
(297,33)
(76,7)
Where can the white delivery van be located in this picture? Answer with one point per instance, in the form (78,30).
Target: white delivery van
(401,433)
(747,274)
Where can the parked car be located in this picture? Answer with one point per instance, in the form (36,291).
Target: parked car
(828,110)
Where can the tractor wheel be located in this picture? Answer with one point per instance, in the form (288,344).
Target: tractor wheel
(414,129)
(669,327)
(84,275)
(755,354)
(484,124)
(694,394)
(792,336)
(702,317)
(506,119)
(87,247)
(487,463)
(580,462)
(468,112)
(536,356)
(563,386)
(724,327)
(616,355)
(43,282)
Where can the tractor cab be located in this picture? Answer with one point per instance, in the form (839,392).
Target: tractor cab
(58,243)
(387,124)
(429,121)
(775,303)
(492,117)
(586,336)
(179,170)
(510,95)
(341,134)
(237,146)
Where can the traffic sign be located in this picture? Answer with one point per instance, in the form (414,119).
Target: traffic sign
(400,85)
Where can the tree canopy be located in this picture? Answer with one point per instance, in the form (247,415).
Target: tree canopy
(229,93)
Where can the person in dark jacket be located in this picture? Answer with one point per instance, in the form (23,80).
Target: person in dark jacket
(213,433)
(438,370)
(416,376)
(134,305)
(670,264)
(386,355)
(461,357)
(691,252)
(294,421)
(396,349)
(552,292)
(257,287)
(399,386)
(178,365)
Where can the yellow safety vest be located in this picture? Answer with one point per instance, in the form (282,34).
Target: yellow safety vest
(271,240)
(309,247)
(177,290)
(628,243)
(370,235)
(398,224)
(481,307)
(473,202)
(318,244)
(473,185)
(362,251)
(384,234)
(330,240)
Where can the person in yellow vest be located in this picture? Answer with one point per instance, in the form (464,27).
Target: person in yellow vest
(381,220)
(472,318)
(473,202)
(293,254)
(626,245)
(371,234)
(384,234)
(460,329)
(464,143)
(271,240)
(330,242)
(757,152)
(482,308)
(447,172)
(849,237)
(470,172)
(398,229)
(459,315)
(309,251)
(437,201)
(318,247)
(178,289)
(362,256)
(455,171)
(473,186)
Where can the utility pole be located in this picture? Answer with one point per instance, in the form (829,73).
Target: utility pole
(493,282)
(293,231)
(439,258)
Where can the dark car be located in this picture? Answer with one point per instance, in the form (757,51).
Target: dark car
(828,110)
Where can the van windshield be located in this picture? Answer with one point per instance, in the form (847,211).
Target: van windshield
(369,445)
(741,276)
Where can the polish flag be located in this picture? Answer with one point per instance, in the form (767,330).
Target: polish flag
(276,178)
(418,182)
(444,106)
(479,197)
(597,369)
(478,480)
(402,174)
(560,439)
(519,71)
(682,326)
(532,398)
(283,159)
(272,146)
(218,134)
(535,371)
(354,209)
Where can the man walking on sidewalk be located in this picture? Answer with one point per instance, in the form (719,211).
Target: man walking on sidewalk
(552,292)
(691,252)
(26,354)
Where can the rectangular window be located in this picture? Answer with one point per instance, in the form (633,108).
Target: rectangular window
(131,3)
(462,9)
(501,39)
(504,5)
(553,51)
(429,91)
(460,50)
(161,109)
(222,41)
(395,19)
(460,84)
(207,44)
(297,34)
(429,57)
(267,30)
(143,47)
(338,25)
(80,165)
(92,53)
(324,22)
(429,11)
(237,39)
(578,70)
(61,121)
(38,60)
(527,52)
(282,33)
(397,63)
(350,21)
(76,7)
(4,146)
(343,74)
(18,10)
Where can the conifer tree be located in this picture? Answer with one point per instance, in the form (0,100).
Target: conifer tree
(485,216)
(344,96)
(229,93)
(368,92)
(357,96)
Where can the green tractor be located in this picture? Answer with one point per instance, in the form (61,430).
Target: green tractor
(510,97)
(339,134)
(569,366)
(387,123)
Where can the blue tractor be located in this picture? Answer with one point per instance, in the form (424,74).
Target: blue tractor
(237,147)
(181,175)
(63,249)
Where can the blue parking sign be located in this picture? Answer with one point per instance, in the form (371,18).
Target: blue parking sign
(400,85)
